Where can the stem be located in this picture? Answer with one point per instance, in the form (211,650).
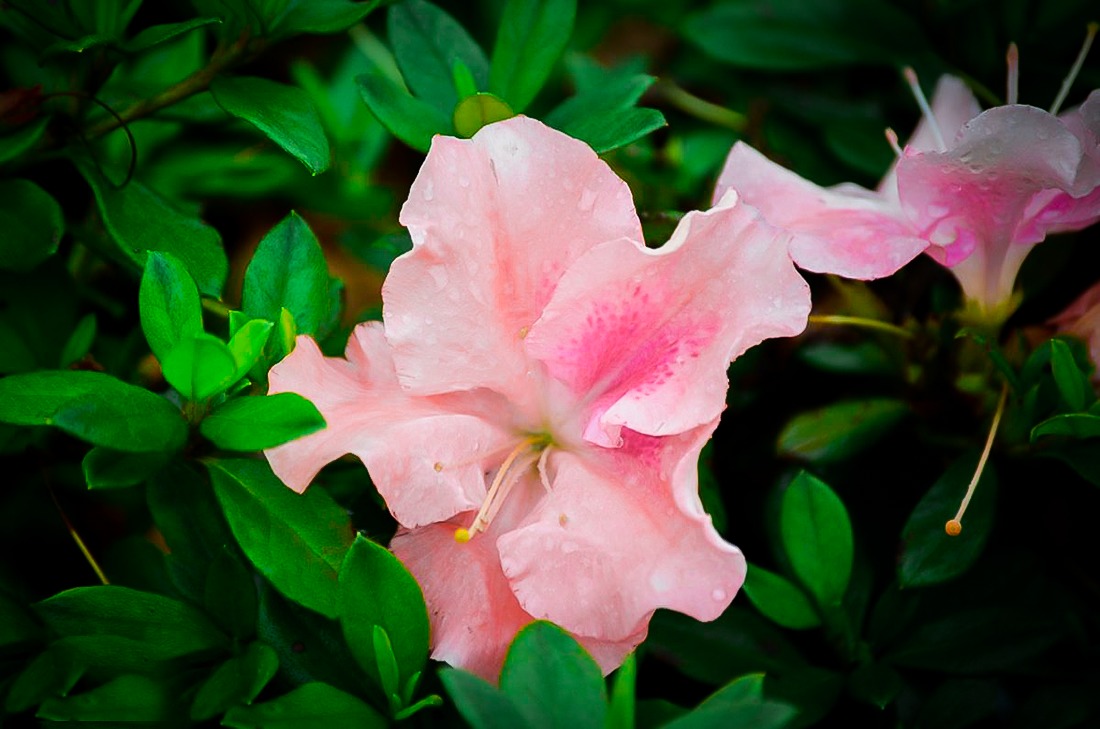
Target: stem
(691,104)
(859,321)
(223,58)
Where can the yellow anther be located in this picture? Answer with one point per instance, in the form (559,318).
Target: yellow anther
(953,528)
(462,535)
(438,466)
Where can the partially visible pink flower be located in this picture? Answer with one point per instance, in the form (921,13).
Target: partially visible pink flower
(1082,319)
(533,407)
(977,190)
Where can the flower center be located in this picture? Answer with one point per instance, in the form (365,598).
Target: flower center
(531,451)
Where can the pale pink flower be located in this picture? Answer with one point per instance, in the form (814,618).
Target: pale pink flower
(976,190)
(533,407)
(1082,320)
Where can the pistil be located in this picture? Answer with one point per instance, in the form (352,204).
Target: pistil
(954,527)
(529,451)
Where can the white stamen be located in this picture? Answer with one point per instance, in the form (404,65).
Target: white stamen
(542,469)
(925,109)
(1013,60)
(1075,69)
(892,140)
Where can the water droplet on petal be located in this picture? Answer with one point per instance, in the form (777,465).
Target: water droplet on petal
(719,594)
(429,191)
(587,200)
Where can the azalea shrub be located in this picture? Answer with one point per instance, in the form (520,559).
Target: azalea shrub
(535,363)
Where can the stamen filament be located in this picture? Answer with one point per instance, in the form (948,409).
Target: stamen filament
(498,491)
(859,321)
(925,109)
(542,469)
(892,140)
(1075,68)
(1013,60)
(954,526)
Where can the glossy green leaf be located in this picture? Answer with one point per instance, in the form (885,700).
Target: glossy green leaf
(928,554)
(605,116)
(779,599)
(313,704)
(154,35)
(237,681)
(79,342)
(284,113)
(817,537)
(322,16)
(126,699)
(530,39)
(32,223)
(95,407)
(552,680)
(51,673)
(298,541)
(838,431)
(376,589)
(617,129)
(247,343)
(229,595)
(427,42)
(740,703)
(110,469)
(255,423)
(169,304)
(199,367)
(1071,425)
(288,270)
(474,112)
(480,703)
(622,706)
(1072,383)
(408,118)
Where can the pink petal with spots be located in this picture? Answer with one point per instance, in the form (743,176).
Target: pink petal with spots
(621,534)
(846,230)
(426,456)
(644,336)
(495,221)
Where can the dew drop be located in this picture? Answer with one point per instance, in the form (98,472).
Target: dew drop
(429,191)
(719,594)
(588,199)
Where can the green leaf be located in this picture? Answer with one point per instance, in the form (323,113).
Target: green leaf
(427,43)
(109,469)
(129,698)
(794,35)
(958,704)
(621,710)
(284,113)
(481,704)
(247,342)
(16,625)
(288,270)
(1072,383)
(237,681)
(408,118)
(875,683)
(154,35)
(140,220)
(817,537)
(200,367)
(780,600)
(21,140)
(314,704)
(605,116)
(552,680)
(377,590)
(15,354)
(474,112)
(1071,425)
(740,703)
(52,673)
(169,304)
(255,423)
(322,16)
(617,129)
(95,407)
(167,628)
(928,555)
(837,431)
(229,595)
(79,342)
(531,38)
(32,223)
(298,541)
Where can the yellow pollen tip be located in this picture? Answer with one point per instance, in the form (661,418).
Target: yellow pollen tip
(438,466)
(523,332)
(462,535)
(953,528)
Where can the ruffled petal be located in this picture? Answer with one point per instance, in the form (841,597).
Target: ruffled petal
(621,534)
(644,337)
(846,230)
(1082,319)
(495,221)
(426,456)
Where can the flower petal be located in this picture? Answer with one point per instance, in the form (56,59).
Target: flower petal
(495,221)
(644,337)
(426,456)
(621,534)
(846,230)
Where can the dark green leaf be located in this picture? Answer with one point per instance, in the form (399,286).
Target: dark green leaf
(837,431)
(928,554)
(109,469)
(779,599)
(230,595)
(376,589)
(16,625)
(875,683)
(478,110)
(958,704)
(95,407)
(157,34)
(408,118)
(237,681)
(323,16)
(32,223)
(14,144)
(255,423)
(79,342)
(1072,383)
(50,674)
(169,304)
(427,42)
(617,129)
(817,537)
(129,698)
(15,354)
(298,541)
(531,38)
(552,680)
(740,703)
(314,704)
(481,704)
(199,367)
(1072,425)
(621,709)
(605,116)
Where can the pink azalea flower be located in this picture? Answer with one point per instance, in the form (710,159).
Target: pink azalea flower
(1082,319)
(975,190)
(533,407)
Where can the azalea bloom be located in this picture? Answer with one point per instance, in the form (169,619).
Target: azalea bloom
(533,406)
(974,189)
(1082,319)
